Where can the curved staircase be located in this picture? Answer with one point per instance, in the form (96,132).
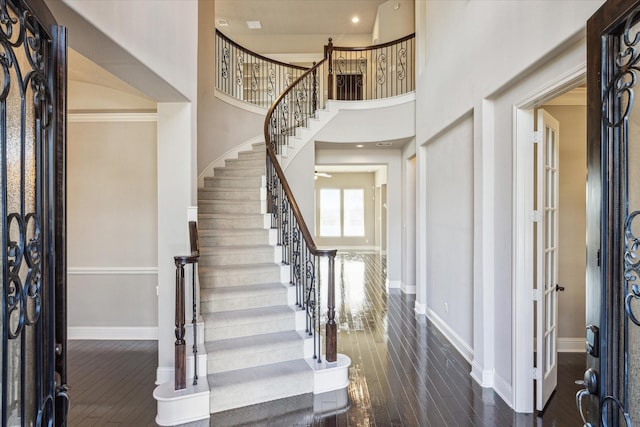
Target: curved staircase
(254,336)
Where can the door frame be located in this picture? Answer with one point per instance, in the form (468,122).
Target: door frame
(522,343)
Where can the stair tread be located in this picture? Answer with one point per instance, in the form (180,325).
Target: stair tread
(214,250)
(232,215)
(252,266)
(264,340)
(252,288)
(228,202)
(232,231)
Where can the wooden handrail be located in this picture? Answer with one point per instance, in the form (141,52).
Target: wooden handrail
(373,47)
(257,55)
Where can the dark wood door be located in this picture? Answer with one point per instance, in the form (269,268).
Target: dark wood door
(32,218)
(612,381)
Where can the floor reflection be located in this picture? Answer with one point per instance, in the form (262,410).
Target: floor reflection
(404,372)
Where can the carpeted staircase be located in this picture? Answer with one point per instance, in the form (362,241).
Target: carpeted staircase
(256,345)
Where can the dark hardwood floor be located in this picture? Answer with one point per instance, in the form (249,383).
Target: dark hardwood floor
(403,373)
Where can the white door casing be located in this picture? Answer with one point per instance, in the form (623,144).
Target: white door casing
(546,257)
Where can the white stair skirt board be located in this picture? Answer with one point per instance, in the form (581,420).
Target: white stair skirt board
(182,406)
(330,376)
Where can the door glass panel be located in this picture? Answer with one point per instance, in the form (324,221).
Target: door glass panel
(630,345)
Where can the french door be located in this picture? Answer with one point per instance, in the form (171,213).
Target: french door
(547,188)
(611,395)
(32,218)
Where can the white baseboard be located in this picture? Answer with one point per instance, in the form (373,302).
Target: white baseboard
(394,284)
(465,350)
(484,377)
(112,333)
(408,289)
(571,345)
(503,389)
(420,308)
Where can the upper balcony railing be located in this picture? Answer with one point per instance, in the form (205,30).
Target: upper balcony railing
(251,77)
(350,73)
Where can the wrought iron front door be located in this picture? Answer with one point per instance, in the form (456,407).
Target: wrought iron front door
(32,219)
(611,396)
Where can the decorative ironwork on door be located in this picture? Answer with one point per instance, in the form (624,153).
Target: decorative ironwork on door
(30,182)
(620,399)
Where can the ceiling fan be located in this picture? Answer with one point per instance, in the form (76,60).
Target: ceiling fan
(321,175)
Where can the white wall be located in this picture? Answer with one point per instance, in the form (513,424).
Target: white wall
(492,55)
(409,218)
(449,233)
(394,19)
(112,227)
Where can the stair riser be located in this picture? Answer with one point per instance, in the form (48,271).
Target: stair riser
(233,182)
(240,278)
(252,239)
(228,330)
(252,155)
(243,207)
(221,194)
(249,358)
(241,394)
(242,303)
(256,221)
(245,163)
(238,172)
(261,256)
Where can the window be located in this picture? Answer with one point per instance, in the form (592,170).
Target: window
(329,212)
(354,213)
(341,212)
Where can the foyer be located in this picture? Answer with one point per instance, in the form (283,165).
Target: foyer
(404,372)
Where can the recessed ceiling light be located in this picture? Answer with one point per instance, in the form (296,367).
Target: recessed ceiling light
(384,144)
(254,25)
(355,19)
(359,146)
(222,22)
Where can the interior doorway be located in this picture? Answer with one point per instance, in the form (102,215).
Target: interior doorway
(556,314)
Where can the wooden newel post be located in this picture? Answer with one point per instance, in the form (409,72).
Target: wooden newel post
(328,53)
(332,329)
(180,347)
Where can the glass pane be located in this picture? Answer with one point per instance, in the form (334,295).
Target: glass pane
(354,213)
(330,208)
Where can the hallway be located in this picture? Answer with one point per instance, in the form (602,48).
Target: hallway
(404,372)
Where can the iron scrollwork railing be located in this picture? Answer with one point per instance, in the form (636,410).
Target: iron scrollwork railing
(251,77)
(374,72)
(299,251)
(180,373)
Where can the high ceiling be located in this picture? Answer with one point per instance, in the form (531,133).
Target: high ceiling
(297,26)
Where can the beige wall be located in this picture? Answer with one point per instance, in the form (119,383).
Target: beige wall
(572,219)
(349,181)
(112,225)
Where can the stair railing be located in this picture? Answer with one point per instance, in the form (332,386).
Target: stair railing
(373,72)
(344,74)
(180,375)
(251,77)
(292,108)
